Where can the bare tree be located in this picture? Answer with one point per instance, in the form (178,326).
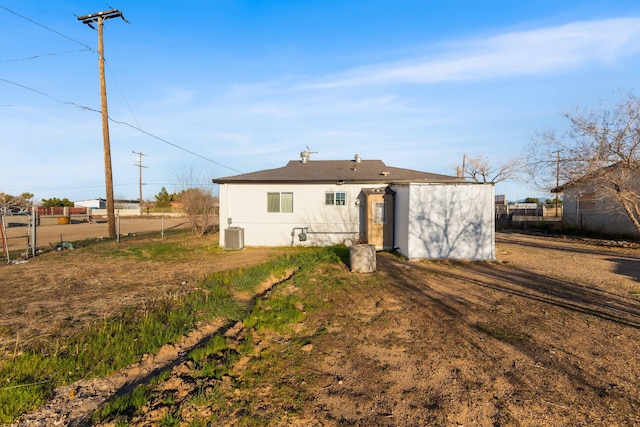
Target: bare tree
(9,202)
(480,169)
(601,148)
(199,203)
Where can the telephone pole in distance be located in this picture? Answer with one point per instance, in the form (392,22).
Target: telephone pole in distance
(139,165)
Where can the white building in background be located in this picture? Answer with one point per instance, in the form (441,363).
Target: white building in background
(98,207)
(93,203)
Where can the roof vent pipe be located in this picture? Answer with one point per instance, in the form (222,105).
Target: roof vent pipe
(358,158)
(304,156)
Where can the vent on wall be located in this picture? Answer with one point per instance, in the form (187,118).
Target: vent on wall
(234,238)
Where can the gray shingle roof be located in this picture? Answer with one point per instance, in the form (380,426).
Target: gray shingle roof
(331,171)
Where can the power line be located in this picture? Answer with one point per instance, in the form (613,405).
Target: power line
(139,129)
(91,18)
(29,58)
(47,28)
(122,94)
(174,145)
(47,95)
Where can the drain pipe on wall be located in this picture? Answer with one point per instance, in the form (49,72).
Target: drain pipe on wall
(304,231)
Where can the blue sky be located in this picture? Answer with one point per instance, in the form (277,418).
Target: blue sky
(215,88)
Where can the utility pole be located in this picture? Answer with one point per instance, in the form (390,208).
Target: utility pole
(464,166)
(557,178)
(98,18)
(139,165)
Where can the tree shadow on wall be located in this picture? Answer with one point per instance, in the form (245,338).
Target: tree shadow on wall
(449,225)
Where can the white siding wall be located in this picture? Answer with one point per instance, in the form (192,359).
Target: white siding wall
(449,221)
(246,205)
(401,217)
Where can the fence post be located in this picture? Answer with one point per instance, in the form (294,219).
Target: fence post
(3,238)
(27,248)
(34,222)
(162,228)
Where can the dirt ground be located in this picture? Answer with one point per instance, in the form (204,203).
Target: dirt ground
(549,335)
(63,290)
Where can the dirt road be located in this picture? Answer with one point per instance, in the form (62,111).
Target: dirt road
(52,234)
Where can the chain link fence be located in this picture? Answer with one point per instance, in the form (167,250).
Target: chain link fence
(16,237)
(24,235)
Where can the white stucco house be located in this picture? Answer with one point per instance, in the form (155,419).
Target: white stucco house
(325,202)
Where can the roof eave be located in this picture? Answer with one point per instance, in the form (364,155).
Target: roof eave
(299,181)
(339,181)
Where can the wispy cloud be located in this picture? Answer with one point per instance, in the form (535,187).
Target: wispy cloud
(531,52)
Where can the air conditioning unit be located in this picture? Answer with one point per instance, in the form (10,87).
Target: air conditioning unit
(234,238)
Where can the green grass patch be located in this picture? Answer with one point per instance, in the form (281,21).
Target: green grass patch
(214,359)
(180,247)
(170,420)
(121,407)
(124,405)
(215,346)
(275,313)
(267,373)
(113,343)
